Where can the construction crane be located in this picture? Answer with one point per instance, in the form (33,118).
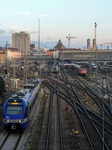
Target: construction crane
(100,45)
(95,34)
(68,37)
(108,44)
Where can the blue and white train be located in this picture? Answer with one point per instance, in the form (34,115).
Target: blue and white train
(17,109)
(93,66)
(55,69)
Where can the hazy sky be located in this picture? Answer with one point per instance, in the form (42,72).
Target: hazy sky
(57,19)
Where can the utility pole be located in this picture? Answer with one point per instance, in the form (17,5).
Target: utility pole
(39,47)
(95,45)
(25,60)
(8,71)
(6,55)
(20,59)
(95,34)
(14,70)
(90,61)
(68,37)
(55,57)
(14,77)
(38,34)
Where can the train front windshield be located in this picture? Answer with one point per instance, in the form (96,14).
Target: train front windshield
(14,109)
(83,69)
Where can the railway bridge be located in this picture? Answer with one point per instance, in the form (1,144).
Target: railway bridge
(86,55)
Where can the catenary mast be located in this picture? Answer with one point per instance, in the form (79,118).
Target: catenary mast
(39,47)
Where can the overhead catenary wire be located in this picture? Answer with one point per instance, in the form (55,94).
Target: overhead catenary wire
(15,32)
(7,27)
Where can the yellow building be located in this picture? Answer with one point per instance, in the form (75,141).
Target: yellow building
(2,55)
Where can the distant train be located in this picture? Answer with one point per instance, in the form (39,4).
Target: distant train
(55,69)
(94,66)
(37,63)
(83,64)
(80,70)
(59,63)
(18,108)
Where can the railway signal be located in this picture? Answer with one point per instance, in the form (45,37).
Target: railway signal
(5,71)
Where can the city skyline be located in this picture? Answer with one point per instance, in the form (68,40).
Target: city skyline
(57,20)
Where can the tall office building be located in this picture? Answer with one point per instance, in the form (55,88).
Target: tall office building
(21,41)
(88,43)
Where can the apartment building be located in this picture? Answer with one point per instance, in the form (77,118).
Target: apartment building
(2,55)
(21,41)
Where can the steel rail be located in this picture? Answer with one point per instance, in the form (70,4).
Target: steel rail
(80,105)
(98,98)
(84,128)
(95,125)
(59,116)
(49,120)
(4,140)
(91,120)
(101,138)
(87,93)
(84,112)
(60,128)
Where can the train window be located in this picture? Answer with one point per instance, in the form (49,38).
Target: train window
(83,69)
(26,112)
(20,94)
(14,110)
(29,87)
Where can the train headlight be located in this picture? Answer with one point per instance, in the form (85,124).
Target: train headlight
(20,121)
(6,121)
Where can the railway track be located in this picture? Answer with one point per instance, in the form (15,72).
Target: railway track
(54,130)
(96,124)
(10,141)
(77,117)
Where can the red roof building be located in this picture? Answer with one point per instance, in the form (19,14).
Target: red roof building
(32,45)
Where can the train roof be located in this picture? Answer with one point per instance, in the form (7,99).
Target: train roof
(26,89)
(67,64)
(93,64)
(78,66)
(24,94)
(55,66)
(18,95)
(29,86)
